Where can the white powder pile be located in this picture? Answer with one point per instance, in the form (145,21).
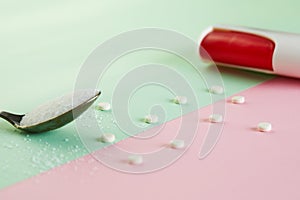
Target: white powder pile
(57,107)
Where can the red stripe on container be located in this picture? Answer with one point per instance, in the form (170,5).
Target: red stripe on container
(238,48)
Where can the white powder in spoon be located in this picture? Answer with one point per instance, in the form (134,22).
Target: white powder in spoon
(57,107)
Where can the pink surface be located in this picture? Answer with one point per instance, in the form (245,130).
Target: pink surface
(245,164)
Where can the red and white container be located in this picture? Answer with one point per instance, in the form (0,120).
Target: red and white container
(252,49)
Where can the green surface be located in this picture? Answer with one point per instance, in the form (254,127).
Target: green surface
(43,45)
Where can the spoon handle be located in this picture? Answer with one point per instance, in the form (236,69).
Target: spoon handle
(11,118)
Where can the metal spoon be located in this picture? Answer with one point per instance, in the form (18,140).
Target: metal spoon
(56,121)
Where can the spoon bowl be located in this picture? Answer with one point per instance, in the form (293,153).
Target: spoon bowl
(75,106)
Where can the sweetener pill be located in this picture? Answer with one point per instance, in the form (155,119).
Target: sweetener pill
(216,89)
(108,138)
(177,144)
(135,159)
(104,106)
(238,99)
(180,100)
(150,119)
(264,127)
(215,118)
